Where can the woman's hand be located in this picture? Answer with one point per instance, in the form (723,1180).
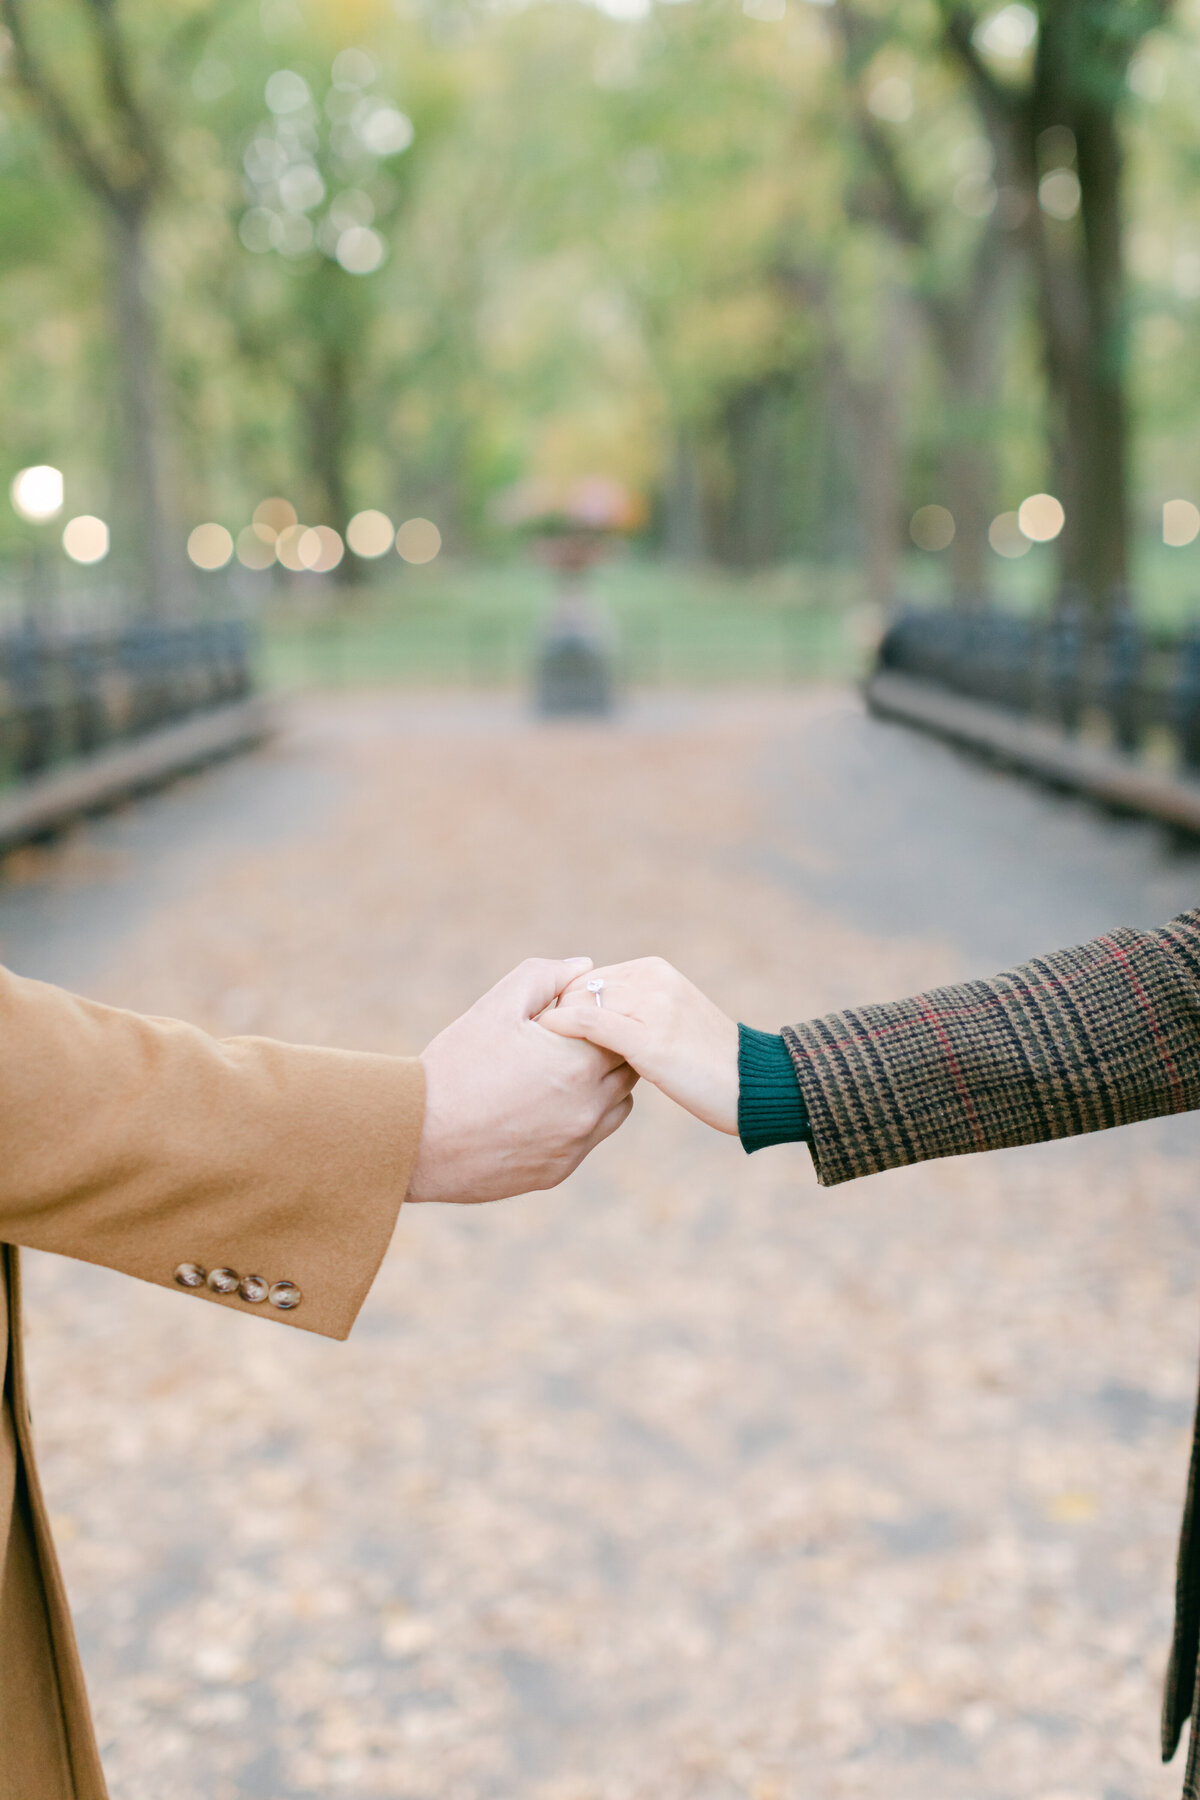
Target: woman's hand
(663,1027)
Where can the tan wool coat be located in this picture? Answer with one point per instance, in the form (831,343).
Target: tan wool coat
(261,1177)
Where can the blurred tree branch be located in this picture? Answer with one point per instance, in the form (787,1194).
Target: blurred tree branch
(964,313)
(125,177)
(123,164)
(1065,117)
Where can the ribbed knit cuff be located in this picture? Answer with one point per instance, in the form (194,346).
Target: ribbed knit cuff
(771,1108)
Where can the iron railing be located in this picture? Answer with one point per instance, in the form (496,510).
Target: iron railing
(67,696)
(1132,682)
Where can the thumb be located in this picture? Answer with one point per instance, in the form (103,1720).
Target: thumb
(610,1030)
(536,983)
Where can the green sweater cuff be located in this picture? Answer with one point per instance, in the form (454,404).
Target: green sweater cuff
(771,1108)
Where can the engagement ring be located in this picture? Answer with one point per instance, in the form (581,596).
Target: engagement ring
(594,986)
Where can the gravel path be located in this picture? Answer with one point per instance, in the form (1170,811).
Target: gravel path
(688,1481)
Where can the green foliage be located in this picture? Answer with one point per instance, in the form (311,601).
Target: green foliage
(650,247)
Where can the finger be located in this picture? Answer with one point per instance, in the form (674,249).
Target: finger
(612,975)
(610,1030)
(537,981)
(620,1081)
(613,1119)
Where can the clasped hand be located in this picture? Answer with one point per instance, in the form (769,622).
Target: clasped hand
(536,1074)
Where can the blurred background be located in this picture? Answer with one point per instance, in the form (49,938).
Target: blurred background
(520,429)
(831,291)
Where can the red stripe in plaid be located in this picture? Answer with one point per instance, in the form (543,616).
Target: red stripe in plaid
(943,1038)
(1168,1059)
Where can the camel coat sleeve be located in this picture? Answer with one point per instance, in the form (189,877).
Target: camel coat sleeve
(148,1146)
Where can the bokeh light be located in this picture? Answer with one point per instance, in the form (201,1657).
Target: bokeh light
(892,99)
(351,207)
(274,514)
(418,540)
(287,92)
(292,234)
(1041,518)
(1006,537)
(320,549)
(1010,32)
(287,548)
(37,492)
(256,547)
(1059,193)
(382,129)
(370,533)
(932,527)
(210,546)
(301,188)
(85,538)
(360,251)
(1180,523)
(353,68)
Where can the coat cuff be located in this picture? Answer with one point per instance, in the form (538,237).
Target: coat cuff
(197,1163)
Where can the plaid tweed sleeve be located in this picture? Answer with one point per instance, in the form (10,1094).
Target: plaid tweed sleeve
(1077,1041)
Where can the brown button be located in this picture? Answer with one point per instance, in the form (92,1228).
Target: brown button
(223,1281)
(190,1275)
(285,1295)
(253,1288)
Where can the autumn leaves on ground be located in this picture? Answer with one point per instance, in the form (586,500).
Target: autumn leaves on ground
(688,1481)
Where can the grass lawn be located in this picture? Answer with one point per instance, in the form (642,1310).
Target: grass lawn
(450,624)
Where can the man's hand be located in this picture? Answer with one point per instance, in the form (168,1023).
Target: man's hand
(664,1028)
(509,1108)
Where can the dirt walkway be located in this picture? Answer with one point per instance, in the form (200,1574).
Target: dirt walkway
(689,1481)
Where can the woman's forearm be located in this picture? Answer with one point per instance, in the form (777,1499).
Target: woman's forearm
(1081,1040)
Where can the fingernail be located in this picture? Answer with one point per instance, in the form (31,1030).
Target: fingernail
(579,959)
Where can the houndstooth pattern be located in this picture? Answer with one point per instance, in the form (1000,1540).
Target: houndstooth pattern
(1082,1040)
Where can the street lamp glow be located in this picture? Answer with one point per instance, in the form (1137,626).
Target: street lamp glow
(1041,518)
(37,493)
(370,533)
(85,538)
(320,549)
(1006,536)
(418,540)
(210,546)
(1180,524)
(932,527)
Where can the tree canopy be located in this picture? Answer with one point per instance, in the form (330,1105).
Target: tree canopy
(803,275)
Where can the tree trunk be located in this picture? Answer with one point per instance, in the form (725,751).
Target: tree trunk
(969,335)
(329,419)
(154,559)
(1082,314)
(1070,112)
(877,419)
(754,420)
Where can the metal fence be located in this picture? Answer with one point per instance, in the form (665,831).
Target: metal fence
(66,696)
(1133,683)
